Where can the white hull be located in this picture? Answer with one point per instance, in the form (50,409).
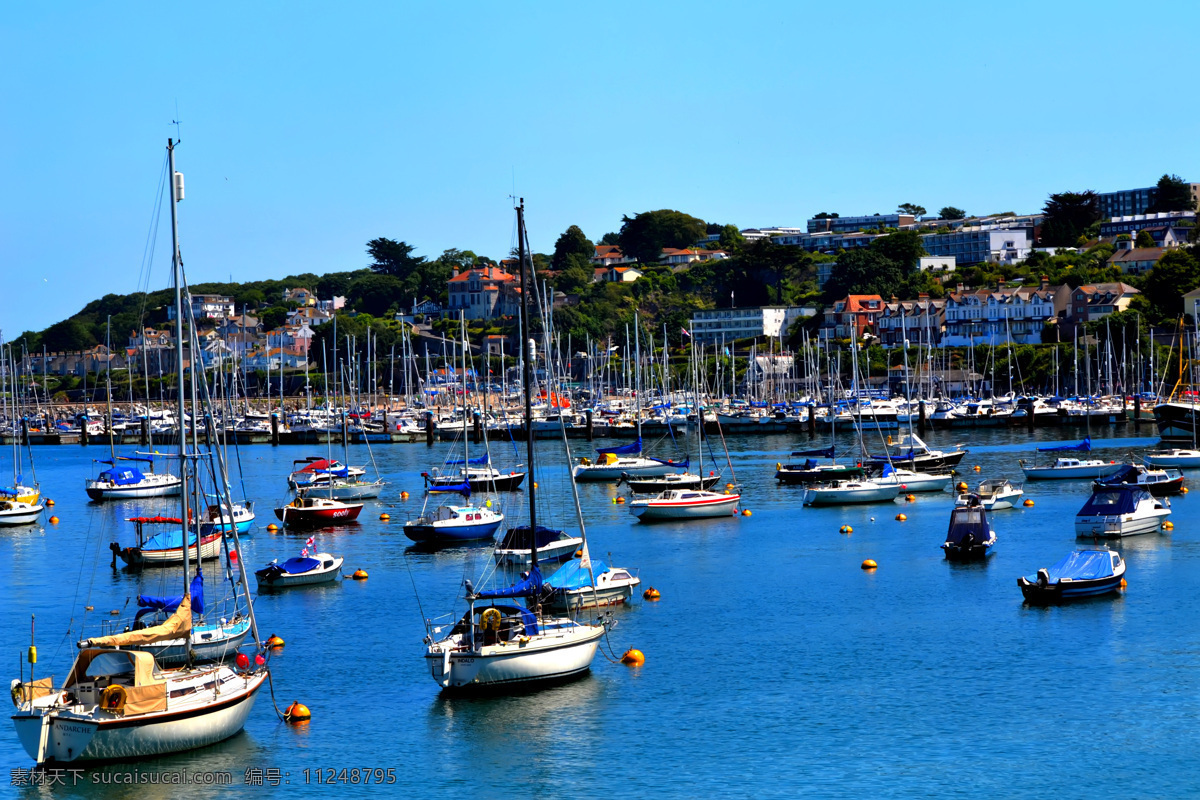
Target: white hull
(916,483)
(555,551)
(631,467)
(1066,473)
(578,599)
(322,575)
(1116,526)
(672,509)
(73,734)
(551,655)
(1186,459)
(826,496)
(351,491)
(21,516)
(157,558)
(103,490)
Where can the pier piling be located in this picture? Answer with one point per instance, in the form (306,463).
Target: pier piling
(429,428)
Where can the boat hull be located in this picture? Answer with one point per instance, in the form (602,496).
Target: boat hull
(552,553)
(317,517)
(20,516)
(835,497)
(975,552)
(102,490)
(1069,473)
(1118,526)
(503,482)
(210,548)
(651,509)
(614,473)
(578,599)
(655,486)
(330,575)
(1176,422)
(788,475)
(1181,461)
(432,532)
(513,663)
(1037,594)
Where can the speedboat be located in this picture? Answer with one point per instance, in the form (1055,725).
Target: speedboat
(317,512)
(684,504)
(1069,468)
(16,512)
(1083,573)
(454,524)
(299,571)
(1173,458)
(994,494)
(128,483)
(553,546)
(854,491)
(970,536)
(1121,510)
(910,481)
(1159,482)
(574,589)
(220,520)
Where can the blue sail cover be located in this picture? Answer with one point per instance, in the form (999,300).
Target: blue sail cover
(1083,447)
(965,521)
(125,476)
(526,588)
(573,575)
(1113,500)
(518,538)
(828,452)
(463,488)
(149,603)
(680,464)
(632,448)
(1126,474)
(470,462)
(337,472)
(1082,565)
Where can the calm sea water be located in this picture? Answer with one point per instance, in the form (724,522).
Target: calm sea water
(774,665)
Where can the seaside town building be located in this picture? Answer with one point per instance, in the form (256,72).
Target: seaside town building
(717,325)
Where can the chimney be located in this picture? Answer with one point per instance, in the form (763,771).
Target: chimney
(454,273)
(961,288)
(1125,244)
(1045,282)
(1000,283)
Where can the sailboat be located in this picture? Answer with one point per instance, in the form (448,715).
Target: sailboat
(498,644)
(19,504)
(117,703)
(1068,467)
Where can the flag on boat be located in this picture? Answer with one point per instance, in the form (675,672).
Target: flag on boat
(304,553)
(310,542)
(685,331)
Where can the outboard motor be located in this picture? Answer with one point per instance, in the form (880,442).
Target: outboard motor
(1043,577)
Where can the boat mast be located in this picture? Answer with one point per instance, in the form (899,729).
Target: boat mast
(176,268)
(526,381)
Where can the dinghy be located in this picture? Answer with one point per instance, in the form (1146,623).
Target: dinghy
(301,571)
(1083,573)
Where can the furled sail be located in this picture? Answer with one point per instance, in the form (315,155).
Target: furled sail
(177,626)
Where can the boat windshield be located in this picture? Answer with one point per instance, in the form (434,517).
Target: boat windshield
(107,664)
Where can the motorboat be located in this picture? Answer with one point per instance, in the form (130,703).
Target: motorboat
(129,483)
(672,480)
(994,494)
(910,481)
(1159,482)
(573,587)
(1121,510)
(166,548)
(684,504)
(303,570)
(553,546)
(911,452)
(218,519)
(1083,573)
(17,512)
(853,491)
(1173,458)
(317,512)
(318,471)
(454,523)
(970,536)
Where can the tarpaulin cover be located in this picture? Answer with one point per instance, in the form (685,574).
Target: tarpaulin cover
(167,540)
(526,588)
(149,603)
(1084,447)
(573,575)
(299,566)
(517,538)
(1082,565)
(828,452)
(965,521)
(319,464)
(123,477)
(623,450)
(1111,501)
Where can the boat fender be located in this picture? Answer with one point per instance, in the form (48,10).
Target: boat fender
(113,698)
(490,618)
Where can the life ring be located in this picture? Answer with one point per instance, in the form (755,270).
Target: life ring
(490,618)
(113,698)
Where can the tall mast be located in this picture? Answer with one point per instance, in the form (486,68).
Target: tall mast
(176,279)
(526,381)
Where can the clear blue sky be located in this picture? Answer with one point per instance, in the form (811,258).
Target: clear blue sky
(310,128)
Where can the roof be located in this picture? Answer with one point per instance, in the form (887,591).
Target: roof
(484,273)
(857,302)
(1137,254)
(608,251)
(1107,288)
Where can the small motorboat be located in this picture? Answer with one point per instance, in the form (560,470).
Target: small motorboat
(994,494)
(553,546)
(16,512)
(970,536)
(910,481)
(450,523)
(854,491)
(1083,573)
(684,504)
(299,571)
(674,480)
(1173,458)
(1121,510)
(1069,468)
(317,512)
(1159,482)
(220,520)
(573,589)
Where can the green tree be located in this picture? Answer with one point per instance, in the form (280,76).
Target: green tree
(335,284)
(1144,239)
(644,235)
(375,294)
(1067,216)
(826,215)
(271,318)
(571,242)
(70,334)
(864,271)
(611,238)
(463,259)
(904,248)
(1174,194)
(1175,274)
(911,208)
(575,274)
(390,257)
(952,212)
(731,240)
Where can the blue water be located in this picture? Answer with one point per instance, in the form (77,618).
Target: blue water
(774,666)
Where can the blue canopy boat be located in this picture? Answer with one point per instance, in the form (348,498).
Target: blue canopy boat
(1083,573)
(970,536)
(299,571)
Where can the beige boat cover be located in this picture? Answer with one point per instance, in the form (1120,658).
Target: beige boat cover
(148,693)
(26,692)
(177,625)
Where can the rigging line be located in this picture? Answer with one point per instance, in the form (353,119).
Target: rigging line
(416,594)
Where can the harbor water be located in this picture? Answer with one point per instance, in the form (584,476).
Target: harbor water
(775,666)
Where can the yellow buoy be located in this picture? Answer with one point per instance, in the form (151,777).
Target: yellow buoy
(89,608)
(912,498)
(1182,490)
(359,575)
(274,641)
(977,468)
(745,512)
(846,529)
(962,486)
(869,564)
(404,495)
(729,486)
(488,504)
(298,712)
(901,517)
(633,657)
(1028,503)
(535,484)
(116,612)
(385,517)
(651,594)
(272,527)
(49,502)
(1123,584)
(54,520)
(1168,525)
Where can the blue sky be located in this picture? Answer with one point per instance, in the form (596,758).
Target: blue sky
(310,128)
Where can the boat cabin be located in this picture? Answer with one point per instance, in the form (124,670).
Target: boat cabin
(140,689)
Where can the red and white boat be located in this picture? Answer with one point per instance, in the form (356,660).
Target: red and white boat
(684,504)
(317,512)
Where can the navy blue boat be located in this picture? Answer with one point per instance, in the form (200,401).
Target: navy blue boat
(970,536)
(1083,573)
